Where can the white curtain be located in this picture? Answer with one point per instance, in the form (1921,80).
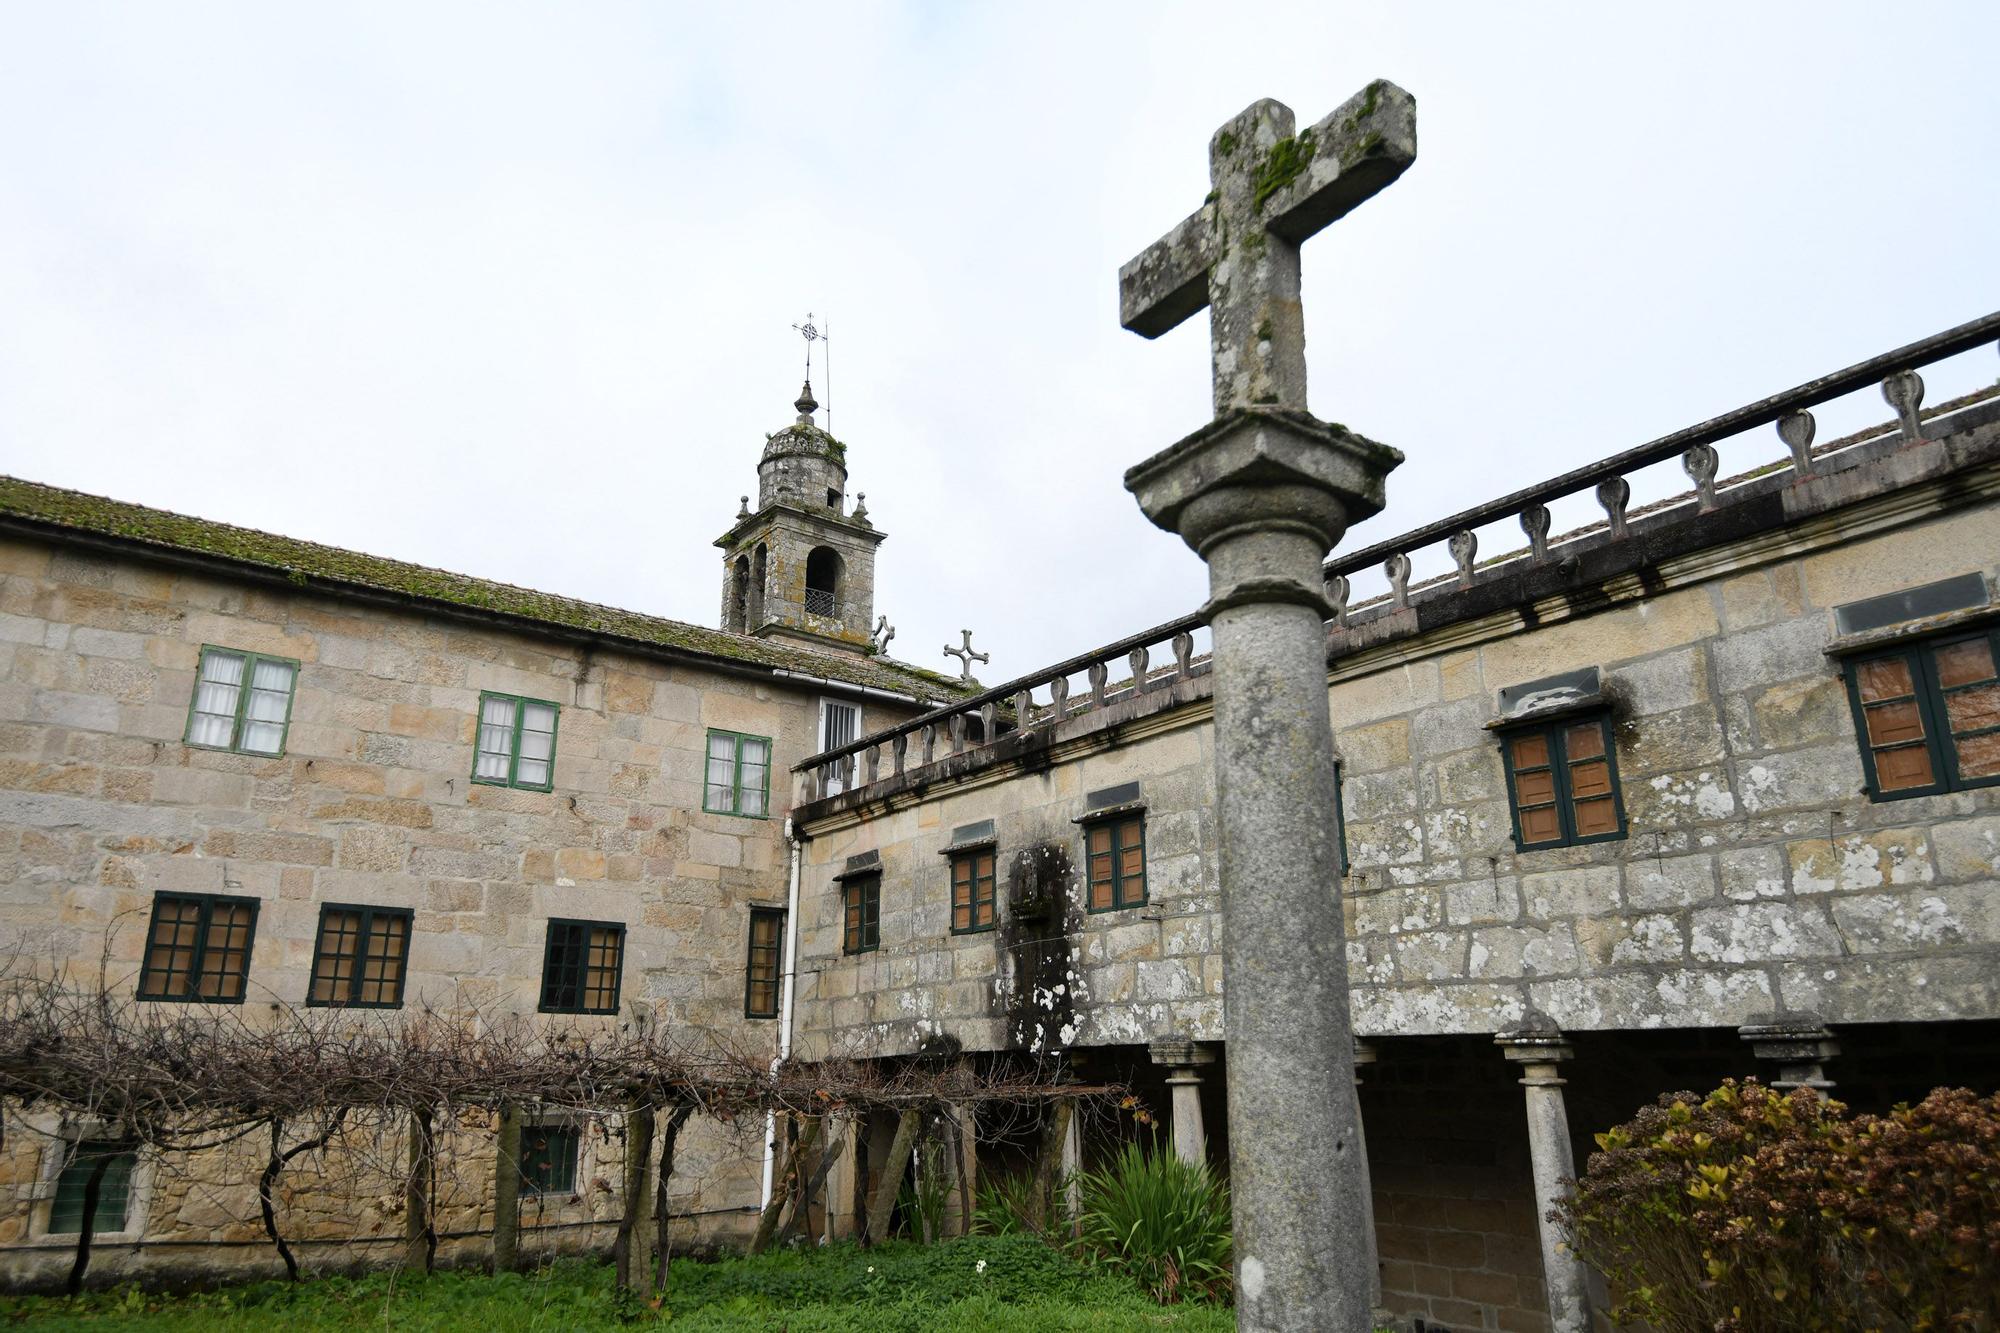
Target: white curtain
(538,745)
(270,702)
(756,776)
(496,739)
(721,773)
(215,698)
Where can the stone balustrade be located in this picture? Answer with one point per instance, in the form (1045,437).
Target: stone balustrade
(1167,653)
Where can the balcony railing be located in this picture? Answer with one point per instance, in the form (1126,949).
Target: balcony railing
(1162,656)
(820,602)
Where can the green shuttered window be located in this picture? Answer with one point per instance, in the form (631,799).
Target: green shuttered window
(114,1190)
(738,781)
(517,742)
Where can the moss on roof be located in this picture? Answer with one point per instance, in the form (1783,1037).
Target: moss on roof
(307,564)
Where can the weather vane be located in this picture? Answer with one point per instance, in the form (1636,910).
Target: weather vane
(812,334)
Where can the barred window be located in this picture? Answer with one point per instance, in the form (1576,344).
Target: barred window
(1115,850)
(861,913)
(1562,778)
(360,957)
(972,891)
(242,702)
(517,742)
(763,970)
(114,1188)
(1929,716)
(582,966)
(198,948)
(548,1158)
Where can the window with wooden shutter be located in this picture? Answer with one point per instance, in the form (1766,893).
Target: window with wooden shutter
(1928,715)
(1562,779)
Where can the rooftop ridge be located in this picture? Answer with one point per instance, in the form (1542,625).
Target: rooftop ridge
(40,506)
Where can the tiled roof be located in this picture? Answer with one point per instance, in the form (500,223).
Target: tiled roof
(52,510)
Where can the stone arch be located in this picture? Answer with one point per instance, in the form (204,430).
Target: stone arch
(759,571)
(823,570)
(739,595)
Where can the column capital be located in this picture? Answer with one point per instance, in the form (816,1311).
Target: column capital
(1538,1051)
(1179,1052)
(1796,1043)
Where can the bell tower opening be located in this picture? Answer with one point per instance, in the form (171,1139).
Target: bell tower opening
(823,582)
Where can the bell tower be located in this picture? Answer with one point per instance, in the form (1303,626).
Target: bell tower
(802,565)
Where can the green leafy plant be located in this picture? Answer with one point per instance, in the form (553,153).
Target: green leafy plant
(1163,1222)
(1750,1209)
(1015,1206)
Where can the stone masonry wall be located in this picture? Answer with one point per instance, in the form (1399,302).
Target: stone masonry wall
(1756,875)
(102,806)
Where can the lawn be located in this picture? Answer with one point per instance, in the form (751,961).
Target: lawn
(1008,1284)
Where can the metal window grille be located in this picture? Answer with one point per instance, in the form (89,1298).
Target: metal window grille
(820,602)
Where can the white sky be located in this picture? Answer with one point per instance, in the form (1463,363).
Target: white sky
(508,289)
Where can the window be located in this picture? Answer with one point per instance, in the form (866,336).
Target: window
(1339,820)
(1563,781)
(517,742)
(359,957)
(1116,852)
(763,970)
(548,1158)
(581,968)
(225,715)
(822,581)
(839,724)
(1929,716)
(739,775)
(114,1190)
(972,897)
(198,948)
(861,914)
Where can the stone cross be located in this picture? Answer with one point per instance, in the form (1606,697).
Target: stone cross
(884,632)
(1262,493)
(966,657)
(1238,254)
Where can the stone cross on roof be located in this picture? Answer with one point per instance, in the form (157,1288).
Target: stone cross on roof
(966,657)
(1239,253)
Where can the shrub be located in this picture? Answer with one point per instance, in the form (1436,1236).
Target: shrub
(1016,1206)
(1162,1221)
(1748,1209)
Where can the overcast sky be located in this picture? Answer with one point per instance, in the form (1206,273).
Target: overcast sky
(509,289)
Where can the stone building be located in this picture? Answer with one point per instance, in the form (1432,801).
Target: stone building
(246,769)
(1706,788)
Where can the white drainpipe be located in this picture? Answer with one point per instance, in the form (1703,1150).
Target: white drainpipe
(787,985)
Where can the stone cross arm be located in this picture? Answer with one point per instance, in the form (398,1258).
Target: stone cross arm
(1238,254)
(1299,186)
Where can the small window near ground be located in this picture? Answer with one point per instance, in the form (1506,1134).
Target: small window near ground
(739,775)
(360,957)
(1562,778)
(517,742)
(548,1158)
(1116,854)
(581,969)
(198,948)
(1929,716)
(763,967)
(972,891)
(114,1188)
(861,914)
(242,702)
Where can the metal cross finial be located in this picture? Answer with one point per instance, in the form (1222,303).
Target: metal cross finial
(884,632)
(1239,253)
(813,334)
(966,657)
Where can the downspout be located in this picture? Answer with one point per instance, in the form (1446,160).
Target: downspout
(787,985)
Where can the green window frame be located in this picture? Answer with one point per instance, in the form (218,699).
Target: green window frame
(974,896)
(1114,857)
(549,1158)
(198,948)
(764,961)
(861,914)
(361,957)
(237,706)
(1562,782)
(1927,715)
(505,744)
(583,963)
(114,1191)
(736,777)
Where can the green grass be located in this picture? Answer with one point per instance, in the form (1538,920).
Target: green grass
(1025,1287)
